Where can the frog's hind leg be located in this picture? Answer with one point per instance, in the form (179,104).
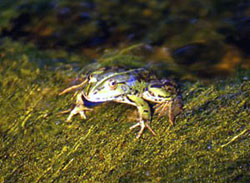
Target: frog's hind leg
(163,95)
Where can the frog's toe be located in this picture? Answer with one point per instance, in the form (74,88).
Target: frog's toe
(150,129)
(69,119)
(143,126)
(141,130)
(72,113)
(161,108)
(134,126)
(79,109)
(82,115)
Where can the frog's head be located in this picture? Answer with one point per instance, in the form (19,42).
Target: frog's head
(105,89)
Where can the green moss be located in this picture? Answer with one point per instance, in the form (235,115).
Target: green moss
(208,143)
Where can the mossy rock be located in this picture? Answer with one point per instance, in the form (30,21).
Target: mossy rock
(208,143)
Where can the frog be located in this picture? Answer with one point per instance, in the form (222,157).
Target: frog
(137,87)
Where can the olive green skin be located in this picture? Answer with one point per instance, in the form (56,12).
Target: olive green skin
(136,87)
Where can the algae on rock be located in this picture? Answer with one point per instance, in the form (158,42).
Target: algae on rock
(208,143)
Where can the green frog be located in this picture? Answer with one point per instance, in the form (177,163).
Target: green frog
(137,87)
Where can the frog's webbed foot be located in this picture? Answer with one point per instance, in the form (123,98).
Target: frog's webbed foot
(162,108)
(143,126)
(78,109)
(173,108)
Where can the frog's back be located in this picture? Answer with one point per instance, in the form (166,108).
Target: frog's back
(131,76)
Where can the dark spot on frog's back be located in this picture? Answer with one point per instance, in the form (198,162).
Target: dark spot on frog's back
(158,100)
(135,92)
(167,82)
(160,96)
(156,86)
(98,89)
(151,93)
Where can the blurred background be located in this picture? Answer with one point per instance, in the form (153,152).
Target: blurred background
(191,38)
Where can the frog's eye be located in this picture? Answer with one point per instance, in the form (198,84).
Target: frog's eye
(112,84)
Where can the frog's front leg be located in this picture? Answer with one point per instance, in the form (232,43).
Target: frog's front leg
(144,114)
(79,108)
